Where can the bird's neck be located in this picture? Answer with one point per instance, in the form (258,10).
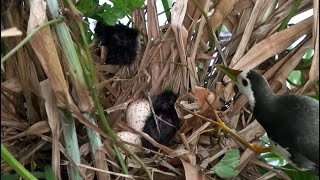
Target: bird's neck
(261,97)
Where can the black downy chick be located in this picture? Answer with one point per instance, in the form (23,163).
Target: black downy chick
(163,105)
(122,43)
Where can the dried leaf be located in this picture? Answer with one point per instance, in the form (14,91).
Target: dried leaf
(44,47)
(192,172)
(54,123)
(273,45)
(202,95)
(11,32)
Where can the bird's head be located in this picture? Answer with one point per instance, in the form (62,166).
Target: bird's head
(250,83)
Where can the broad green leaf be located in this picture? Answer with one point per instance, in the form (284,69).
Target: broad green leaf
(107,13)
(167,4)
(295,78)
(273,159)
(134,4)
(49,173)
(226,167)
(298,175)
(87,7)
(308,55)
(112,15)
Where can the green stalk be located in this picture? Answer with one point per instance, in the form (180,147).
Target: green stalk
(209,28)
(94,137)
(69,130)
(9,159)
(25,40)
(166,7)
(90,80)
(94,93)
(71,143)
(290,15)
(69,49)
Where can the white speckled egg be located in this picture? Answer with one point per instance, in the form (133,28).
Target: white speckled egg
(130,138)
(137,113)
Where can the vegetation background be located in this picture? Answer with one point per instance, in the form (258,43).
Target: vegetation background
(54,90)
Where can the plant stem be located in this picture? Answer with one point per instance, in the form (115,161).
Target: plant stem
(107,128)
(8,157)
(71,141)
(290,15)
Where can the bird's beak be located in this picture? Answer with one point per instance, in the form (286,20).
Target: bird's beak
(231,73)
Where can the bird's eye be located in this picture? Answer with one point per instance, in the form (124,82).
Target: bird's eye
(244,82)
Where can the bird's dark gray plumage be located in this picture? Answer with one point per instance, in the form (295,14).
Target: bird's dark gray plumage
(289,120)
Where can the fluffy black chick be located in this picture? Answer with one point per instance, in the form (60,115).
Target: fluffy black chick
(163,105)
(122,43)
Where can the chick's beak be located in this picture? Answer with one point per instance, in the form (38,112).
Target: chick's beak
(231,73)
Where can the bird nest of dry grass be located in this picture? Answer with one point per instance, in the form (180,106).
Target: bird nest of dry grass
(38,85)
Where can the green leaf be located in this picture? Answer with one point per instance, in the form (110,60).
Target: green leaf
(135,4)
(295,78)
(49,173)
(167,4)
(308,55)
(107,13)
(273,159)
(298,175)
(226,167)
(112,15)
(87,7)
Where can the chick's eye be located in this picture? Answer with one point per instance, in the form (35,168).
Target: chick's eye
(244,82)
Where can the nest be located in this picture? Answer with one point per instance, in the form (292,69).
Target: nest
(180,54)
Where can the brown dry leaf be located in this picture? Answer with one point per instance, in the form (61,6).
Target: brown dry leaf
(247,32)
(54,123)
(240,6)
(273,45)
(314,70)
(178,13)
(11,32)
(44,47)
(153,34)
(228,92)
(202,95)
(192,172)
(38,128)
(12,84)
(222,10)
(100,162)
(245,158)
(282,74)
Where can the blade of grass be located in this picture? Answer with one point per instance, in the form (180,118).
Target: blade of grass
(8,158)
(167,7)
(93,90)
(291,14)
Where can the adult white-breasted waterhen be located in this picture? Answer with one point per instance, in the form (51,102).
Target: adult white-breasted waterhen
(291,121)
